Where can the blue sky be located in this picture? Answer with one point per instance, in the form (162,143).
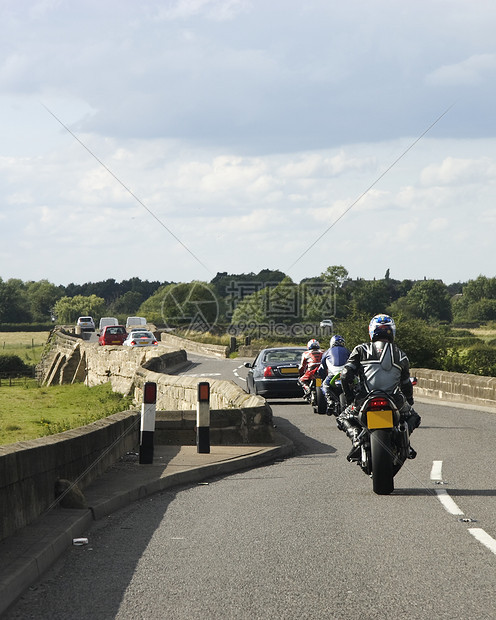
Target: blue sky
(228,135)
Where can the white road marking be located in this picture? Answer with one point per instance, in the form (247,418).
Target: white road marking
(484,538)
(442,494)
(236,374)
(437,470)
(204,374)
(477,532)
(447,502)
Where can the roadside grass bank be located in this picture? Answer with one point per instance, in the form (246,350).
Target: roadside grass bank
(28,411)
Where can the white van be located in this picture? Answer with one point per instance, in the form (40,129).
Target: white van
(107,320)
(135,321)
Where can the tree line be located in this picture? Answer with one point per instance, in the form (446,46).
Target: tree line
(430,314)
(263,296)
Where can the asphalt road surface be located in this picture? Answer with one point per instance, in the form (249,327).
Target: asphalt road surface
(302,538)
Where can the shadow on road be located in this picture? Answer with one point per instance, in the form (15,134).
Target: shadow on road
(304,444)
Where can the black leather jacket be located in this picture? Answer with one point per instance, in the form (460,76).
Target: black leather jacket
(380,366)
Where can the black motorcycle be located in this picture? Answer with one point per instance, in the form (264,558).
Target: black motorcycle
(384,441)
(336,400)
(316,396)
(331,403)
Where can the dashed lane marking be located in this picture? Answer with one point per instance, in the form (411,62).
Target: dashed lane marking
(478,533)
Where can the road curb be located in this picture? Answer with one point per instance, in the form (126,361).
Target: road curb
(28,554)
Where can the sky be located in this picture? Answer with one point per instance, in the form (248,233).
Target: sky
(170,140)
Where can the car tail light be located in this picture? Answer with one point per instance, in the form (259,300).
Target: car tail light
(154,342)
(133,342)
(268,372)
(376,404)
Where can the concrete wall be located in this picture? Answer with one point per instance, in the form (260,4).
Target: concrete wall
(29,469)
(456,387)
(177,342)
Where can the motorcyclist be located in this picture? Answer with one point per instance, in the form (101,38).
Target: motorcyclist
(379,365)
(332,363)
(310,361)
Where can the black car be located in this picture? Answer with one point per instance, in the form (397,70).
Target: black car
(274,373)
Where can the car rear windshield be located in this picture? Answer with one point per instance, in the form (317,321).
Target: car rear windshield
(115,330)
(282,356)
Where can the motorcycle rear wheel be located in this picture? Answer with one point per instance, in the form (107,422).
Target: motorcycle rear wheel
(321,402)
(382,462)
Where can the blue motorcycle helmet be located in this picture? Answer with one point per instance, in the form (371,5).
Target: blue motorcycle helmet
(337,341)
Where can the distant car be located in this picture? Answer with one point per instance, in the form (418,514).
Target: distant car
(107,320)
(85,324)
(274,373)
(135,321)
(326,323)
(112,334)
(140,338)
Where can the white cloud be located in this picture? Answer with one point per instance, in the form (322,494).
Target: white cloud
(438,224)
(218,10)
(455,171)
(469,72)
(247,128)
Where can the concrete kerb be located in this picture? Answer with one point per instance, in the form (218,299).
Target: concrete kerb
(30,552)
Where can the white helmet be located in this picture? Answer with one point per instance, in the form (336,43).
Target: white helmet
(313,344)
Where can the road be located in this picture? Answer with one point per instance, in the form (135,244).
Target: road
(301,538)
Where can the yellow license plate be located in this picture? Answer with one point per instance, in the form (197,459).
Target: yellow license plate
(318,381)
(288,371)
(380,419)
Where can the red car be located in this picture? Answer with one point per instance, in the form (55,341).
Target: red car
(112,334)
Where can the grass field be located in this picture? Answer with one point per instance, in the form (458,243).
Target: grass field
(484,333)
(27,345)
(28,411)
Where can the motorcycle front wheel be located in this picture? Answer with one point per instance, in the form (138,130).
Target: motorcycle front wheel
(382,462)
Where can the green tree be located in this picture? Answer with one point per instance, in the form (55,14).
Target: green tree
(335,275)
(427,299)
(68,309)
(231,289)
(370,296)
(189,304)
(424,345)
(14,304)
(278,304)
(482,310)
(42,296)
(480,288)
(126,304)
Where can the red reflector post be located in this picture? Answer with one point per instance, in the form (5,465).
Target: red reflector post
(203,418)
(150,392)
(203,392)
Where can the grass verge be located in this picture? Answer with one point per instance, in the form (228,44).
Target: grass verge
(29,411)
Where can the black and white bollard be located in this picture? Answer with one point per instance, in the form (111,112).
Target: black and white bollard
(203,418)
(147,433)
